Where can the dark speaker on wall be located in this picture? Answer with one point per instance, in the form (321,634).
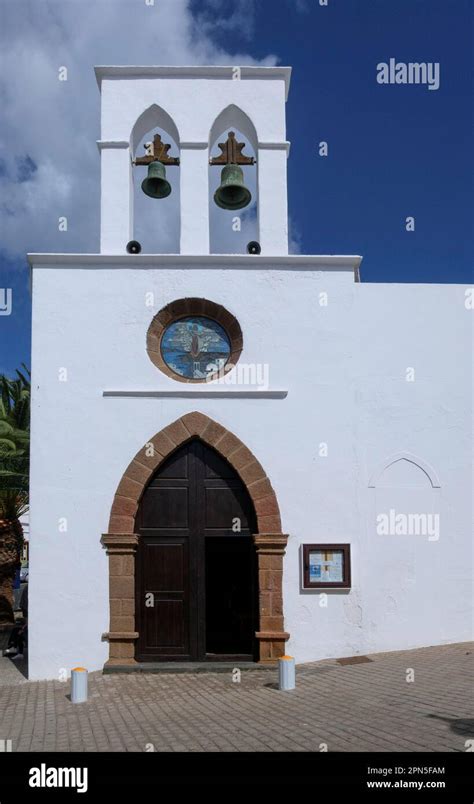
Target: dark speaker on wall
(134,247)
(253,247)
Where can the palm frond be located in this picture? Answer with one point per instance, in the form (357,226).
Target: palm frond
(25,382)
(13,503)
(14,439)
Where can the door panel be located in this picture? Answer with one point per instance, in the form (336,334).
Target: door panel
(166,506)
(199,573)
(176,468)
(223,506)
(217,467)
(164,567)
(165,630)
(165,598)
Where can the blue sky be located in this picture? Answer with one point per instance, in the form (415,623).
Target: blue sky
(394,150)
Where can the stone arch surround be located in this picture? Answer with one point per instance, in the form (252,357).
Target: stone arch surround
(121,541)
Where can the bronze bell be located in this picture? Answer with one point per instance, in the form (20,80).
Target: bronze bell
(155,185)
(232,193)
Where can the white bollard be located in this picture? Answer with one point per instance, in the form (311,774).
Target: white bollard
(286,673)
(79,685)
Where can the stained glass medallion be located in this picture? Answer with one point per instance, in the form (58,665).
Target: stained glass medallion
(195,347)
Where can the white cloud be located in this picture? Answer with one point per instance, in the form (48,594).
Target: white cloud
(56,123)
(214,16)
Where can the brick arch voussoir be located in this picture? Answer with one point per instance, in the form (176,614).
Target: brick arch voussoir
(145,463)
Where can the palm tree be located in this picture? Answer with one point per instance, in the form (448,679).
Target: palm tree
(14,480)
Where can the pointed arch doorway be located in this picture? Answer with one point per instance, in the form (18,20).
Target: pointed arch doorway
(196,573)
(127,527)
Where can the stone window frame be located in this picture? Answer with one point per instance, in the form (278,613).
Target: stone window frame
(121,541)
(184,308)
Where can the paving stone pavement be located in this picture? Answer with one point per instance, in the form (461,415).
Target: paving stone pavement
(356,707)
(12,672)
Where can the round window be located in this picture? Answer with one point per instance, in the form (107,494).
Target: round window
(194,340)
(195,347)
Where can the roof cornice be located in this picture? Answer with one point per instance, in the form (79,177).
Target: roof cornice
(297,262)
(124,71)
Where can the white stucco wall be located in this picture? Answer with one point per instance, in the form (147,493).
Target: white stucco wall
(344,367)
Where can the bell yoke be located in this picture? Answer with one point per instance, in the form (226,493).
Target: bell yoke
(231,194)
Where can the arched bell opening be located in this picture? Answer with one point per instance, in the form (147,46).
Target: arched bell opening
(155,149)
(233,212)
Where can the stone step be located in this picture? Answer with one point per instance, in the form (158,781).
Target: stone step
(186,667)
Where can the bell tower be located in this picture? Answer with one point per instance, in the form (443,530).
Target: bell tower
(187,102)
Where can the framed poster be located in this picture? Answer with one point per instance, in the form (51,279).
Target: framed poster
(326,566)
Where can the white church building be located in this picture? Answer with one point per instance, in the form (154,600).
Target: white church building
(239,455)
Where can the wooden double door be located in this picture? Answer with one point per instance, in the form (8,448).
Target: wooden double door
(196,573)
